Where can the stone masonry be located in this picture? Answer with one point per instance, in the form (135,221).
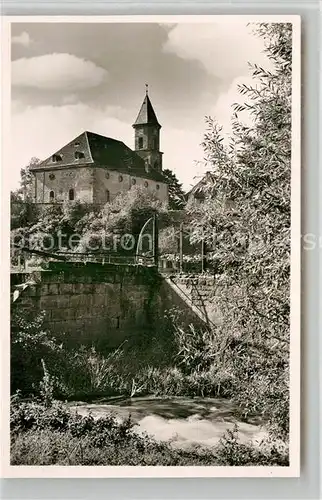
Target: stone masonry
(94,302)
(200,289)
(108,304)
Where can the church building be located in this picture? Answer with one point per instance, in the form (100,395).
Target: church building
(94,169)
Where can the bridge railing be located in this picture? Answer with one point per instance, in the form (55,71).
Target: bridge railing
(108,258)
(26,264)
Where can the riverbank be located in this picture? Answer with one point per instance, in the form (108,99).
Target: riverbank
(185,422)
(58,435)
(202,399)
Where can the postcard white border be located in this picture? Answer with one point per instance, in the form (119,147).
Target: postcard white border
(293,470)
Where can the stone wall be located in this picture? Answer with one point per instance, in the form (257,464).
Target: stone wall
(90,184)
(201,290)
(95,303)
(60,181)
(173,297)
(115,182)
(108,304)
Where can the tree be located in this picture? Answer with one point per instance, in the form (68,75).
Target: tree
(84,228)
(23,211)
(24,191)
(246,219)
(125,215)
(176,193)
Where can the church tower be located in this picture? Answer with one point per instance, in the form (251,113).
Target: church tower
(147,135)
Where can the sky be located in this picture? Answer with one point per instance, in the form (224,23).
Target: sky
(71,77)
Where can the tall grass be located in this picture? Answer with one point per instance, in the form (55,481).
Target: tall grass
(187,366)
(198,362)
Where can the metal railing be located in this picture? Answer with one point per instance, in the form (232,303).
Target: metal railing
(85,257)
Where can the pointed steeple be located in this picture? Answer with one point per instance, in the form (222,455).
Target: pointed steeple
(146,114)
(147,135)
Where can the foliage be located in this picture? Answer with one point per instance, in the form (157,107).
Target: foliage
(177,198)
(30,344)
(126,214)
(86,374)
(85,228)
(168,241)
(44,366)
(231,452)
(245,218)
(55,226)
(25,189)
(23,211)
(46,386)
(58,436)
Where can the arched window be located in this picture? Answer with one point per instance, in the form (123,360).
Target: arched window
(133,181)
(140,142)
(51,196)
(107,196)
(71,195)
(56,158)
(120,178)
(146,184)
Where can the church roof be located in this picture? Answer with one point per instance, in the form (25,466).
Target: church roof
(146,114)
(113,153)
(99,151)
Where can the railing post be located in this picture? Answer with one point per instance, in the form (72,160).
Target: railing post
(202,252)
(155,240)
(181,247)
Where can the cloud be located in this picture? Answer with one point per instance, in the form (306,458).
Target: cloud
(22,39)
(42,130)
(57,72)
(223,48)
(70,99)
(223,109)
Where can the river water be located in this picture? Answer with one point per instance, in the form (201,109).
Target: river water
(186,422)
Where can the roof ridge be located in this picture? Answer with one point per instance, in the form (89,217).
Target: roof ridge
(101,135)
(89,146)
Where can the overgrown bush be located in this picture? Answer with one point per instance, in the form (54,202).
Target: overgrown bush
(30,344)
(231,452)
(160,368)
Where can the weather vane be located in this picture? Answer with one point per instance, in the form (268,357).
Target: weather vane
(146,88)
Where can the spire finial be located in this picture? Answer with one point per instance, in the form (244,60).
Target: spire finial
(146,89)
